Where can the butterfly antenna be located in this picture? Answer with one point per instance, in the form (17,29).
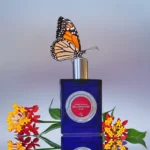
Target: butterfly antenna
(92,48)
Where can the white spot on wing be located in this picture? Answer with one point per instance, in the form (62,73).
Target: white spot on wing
(72,46)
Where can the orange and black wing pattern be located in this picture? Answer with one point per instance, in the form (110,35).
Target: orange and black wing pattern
(67,43)
(67,30)
(63,49)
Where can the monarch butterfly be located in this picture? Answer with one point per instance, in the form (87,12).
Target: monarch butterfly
(67,44)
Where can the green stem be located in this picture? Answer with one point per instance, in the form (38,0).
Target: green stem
(30,135)
(41,121)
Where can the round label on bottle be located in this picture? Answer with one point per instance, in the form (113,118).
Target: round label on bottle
(81,106)
(82,148)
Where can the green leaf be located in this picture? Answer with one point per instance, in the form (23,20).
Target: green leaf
(103,137)
(136,137)
(112,113)
(54,112)
(51,127)
(136,133)
(136,141)
(49,142)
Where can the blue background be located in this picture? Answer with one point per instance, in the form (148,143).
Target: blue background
(29,75)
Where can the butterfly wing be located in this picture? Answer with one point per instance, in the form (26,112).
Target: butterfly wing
(67,30)
(63,49)
(60,27)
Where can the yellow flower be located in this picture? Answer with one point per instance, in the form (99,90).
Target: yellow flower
(107,146)
(26,120)
(16,107)
(121,131)
(119,142)
(10,145)
(114,133)
(108,121)
(111,142)
(119,123)
(17,119)
(114,128)
(22,110)
(114,147)
(15,146)
(109,132)
(122,147)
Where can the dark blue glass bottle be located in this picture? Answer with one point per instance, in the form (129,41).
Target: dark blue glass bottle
(81,110)
(81,143)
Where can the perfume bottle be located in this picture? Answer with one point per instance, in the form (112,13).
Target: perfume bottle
(81,142)
(81,109)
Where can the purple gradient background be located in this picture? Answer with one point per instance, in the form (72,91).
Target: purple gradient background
(29,75)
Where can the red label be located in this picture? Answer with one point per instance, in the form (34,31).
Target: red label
(81,106)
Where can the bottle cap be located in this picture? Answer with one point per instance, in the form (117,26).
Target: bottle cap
(80,68)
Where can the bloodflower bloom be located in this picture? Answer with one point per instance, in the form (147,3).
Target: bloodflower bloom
(23,119)
(29,128)
(23,144)
(15,146)
(115,134)
(28,143)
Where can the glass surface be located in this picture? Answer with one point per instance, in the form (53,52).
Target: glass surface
(88,142)
(73,124)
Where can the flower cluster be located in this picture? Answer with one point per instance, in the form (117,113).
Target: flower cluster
(23,122)
(23,144)
(114,134)
(16,146)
